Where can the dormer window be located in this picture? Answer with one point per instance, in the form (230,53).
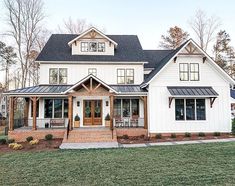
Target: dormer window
(84,46)
(93,46)
(101,47)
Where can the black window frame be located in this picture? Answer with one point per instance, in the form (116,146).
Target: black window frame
(194,72)
(128,76)
(182,71)
(123,76)
(64,112)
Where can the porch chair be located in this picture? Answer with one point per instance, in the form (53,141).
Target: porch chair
(119,122)
(134,122)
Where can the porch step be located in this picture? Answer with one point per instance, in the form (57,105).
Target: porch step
(87,135)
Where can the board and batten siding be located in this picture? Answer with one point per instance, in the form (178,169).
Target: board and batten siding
(162,118)
(106,72)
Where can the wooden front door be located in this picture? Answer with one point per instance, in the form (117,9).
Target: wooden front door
(92,112)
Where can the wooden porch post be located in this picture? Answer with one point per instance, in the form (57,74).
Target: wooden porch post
(34,113)
(145,112)
(26,112)
(11,114)
(111,111)
(70,112)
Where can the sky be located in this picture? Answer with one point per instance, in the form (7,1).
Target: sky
(148,19)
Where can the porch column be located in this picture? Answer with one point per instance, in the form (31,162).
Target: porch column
(26,112)
(70,112)
(34,113)
(11,114)
(145,112)
(111,111)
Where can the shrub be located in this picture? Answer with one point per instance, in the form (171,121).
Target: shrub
(10,141)
(173,135)
(201,134)
(17,147)
(107,117)
(187,134)
(30,138)
(233,127)
(49,137)
(34,142)
(3,141)
(142,136)
(125,136)
(11,145)
(76,118)
(216,133)
(146,138)
(158,136)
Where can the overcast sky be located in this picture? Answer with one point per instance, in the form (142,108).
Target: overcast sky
(148,19)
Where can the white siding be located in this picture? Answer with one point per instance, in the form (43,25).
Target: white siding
(76,72)
(162,118)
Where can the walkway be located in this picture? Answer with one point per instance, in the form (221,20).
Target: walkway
(101,145)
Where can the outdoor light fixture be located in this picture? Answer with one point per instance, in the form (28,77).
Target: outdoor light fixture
(78,103)
(107,103)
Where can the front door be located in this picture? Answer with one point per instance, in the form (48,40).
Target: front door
(92,112)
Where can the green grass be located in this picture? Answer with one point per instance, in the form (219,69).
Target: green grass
(201,164)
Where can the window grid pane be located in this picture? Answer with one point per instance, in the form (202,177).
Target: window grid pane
(129,76)
(184,72)
(101,47)
(93,46)
(201,109)
(190,109)
(121,76)
(92,71)
(62,76)
(179,109)
(194,72)
(84,46)
(53,75)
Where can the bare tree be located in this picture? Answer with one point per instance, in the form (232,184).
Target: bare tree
(24,18)
(71,26)
(176,36)
(204,27)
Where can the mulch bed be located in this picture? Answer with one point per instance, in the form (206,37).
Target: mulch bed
(144,139)
(41,146)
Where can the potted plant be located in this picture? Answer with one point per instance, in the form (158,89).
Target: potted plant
(107,120)
(77,121)
(46,125)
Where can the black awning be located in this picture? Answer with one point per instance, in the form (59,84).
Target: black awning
(192,91)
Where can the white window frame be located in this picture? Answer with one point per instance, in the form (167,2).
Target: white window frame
(58,76)
(92,71)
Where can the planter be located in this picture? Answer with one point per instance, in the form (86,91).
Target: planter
(76,124)
(107,123)
(46,125)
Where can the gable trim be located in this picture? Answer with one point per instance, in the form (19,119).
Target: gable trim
(87,31)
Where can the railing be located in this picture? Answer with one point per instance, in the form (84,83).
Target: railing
(42,122)
(127,122)
(68,129)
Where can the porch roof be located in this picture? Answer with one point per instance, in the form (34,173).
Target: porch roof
(192,91)
(129,89)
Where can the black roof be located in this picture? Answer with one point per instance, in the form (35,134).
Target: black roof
(57,49)
(128,88)
(192,91)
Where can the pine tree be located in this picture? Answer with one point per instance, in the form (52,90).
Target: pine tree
(174,38)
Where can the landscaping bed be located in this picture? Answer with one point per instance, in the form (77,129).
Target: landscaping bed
(125,139)
(43,145)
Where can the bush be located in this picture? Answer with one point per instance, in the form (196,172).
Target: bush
(142,136)
(201,134)
(233,127)
(15,146)
(158,136)
(49,137)
(125,136)
(11,145)
(10,141)
(30,138)
(107,117)
(216,133)
(76,118)
(3,141)
(187,134)
(34,142)
(173,135)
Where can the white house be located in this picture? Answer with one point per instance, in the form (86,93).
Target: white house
(93,75)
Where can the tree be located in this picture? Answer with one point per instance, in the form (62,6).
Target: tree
(7,56)
(204,28)
(176,36)
(24,18)
(224,52)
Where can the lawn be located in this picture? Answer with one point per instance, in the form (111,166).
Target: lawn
(199,164)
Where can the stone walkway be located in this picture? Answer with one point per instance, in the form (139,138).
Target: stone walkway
(102,145)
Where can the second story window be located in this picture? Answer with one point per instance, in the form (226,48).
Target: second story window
(92,71)
(194,71)
(121,76)
(184,72)
(93,47)
(58,75)
(101,47)
(125,76)
(84,46)
(129,76)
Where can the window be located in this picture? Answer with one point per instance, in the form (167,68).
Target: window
(55,108)
(195,109)
(37,108)
(84,46)
(126,107)
(101,47)
(92,71)
(184,73)
(93,47)
(117,108)
(135,107)
(129,76)
(125,76)
(3,107)
(194,71)
(58,75)
(121,76)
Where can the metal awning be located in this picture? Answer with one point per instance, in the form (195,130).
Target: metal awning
(192,92)
(129,89)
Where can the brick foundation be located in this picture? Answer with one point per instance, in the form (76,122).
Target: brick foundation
(131,131)
(21,135)
(182,134)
